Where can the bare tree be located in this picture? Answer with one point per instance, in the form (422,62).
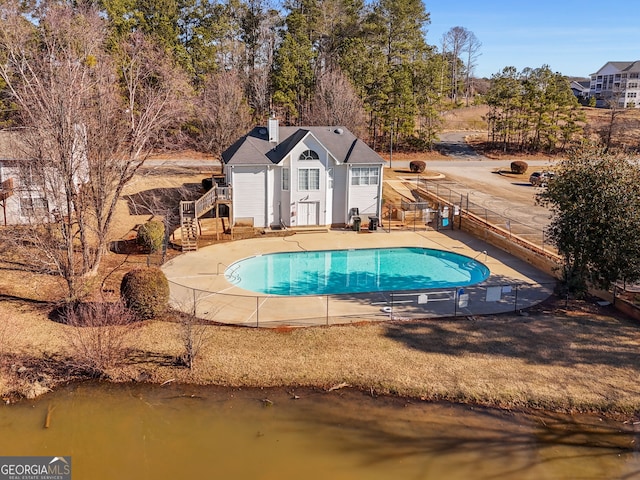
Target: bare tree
(97,334)
(222,112)
(614,100)
(194,334)
(472,51)
(90,118)
(456,42)
(336,103)
(259,24)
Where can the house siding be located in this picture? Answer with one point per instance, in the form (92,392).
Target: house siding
(285,207)
(310,206)
(617,82)
(249,193)
(364,197)
(254,166)
(12,213)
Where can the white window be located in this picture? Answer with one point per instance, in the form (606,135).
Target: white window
(365,176)
(308,179)
(285,179)
(309,155)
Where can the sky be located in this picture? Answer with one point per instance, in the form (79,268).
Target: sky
(575,38)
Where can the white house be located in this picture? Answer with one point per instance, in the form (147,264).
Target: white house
(580,89)
(302,176)
(27,193)
(18,203)
(617,82)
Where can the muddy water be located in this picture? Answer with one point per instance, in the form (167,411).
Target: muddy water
(178,432)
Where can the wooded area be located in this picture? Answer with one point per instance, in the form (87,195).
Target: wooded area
(365,66)
(95,88)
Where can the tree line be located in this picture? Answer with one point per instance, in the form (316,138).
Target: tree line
(534,109)
(95,88)
(367,66)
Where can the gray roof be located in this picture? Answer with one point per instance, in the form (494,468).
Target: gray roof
(581,85)
(254,147)
(633,66)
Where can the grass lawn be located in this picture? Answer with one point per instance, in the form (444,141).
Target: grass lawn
(581,359)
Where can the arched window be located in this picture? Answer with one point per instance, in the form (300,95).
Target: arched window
(309,155)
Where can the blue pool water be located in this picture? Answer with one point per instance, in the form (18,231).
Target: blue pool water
(355,271)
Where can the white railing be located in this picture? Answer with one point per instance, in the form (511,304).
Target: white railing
(205,202)
(187,208)
(223,193)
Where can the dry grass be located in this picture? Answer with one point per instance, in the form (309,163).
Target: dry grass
(626,133)
(581,360)
(468,118)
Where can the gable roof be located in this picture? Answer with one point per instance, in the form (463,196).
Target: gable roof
(622,66)
(254,147)
(581,86)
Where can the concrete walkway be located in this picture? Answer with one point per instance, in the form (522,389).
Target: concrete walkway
(198,284)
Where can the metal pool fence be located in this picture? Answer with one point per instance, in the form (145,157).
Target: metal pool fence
(276,311)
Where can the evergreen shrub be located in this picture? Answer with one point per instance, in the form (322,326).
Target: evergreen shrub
(417,166)
(145,291)
(151,235)
(519,167)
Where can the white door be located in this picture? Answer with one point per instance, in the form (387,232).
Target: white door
(307,213)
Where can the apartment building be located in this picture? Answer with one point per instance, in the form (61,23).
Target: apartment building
(617,83)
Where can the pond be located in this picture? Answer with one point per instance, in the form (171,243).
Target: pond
(182,432)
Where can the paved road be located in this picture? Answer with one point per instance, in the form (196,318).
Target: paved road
(194,163)
(468,173)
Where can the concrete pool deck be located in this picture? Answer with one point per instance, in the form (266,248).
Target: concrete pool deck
(198,284)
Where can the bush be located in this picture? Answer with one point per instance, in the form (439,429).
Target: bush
(519,167)
(150,236)
(98,339)
(417,166)
(145,291)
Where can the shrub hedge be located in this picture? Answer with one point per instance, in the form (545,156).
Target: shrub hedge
(417,166)
(151,235)
(519,167)
(145,291)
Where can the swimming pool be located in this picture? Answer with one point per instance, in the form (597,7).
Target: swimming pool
(355,271)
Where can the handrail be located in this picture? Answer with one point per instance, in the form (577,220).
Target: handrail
(205,201)
(231,274)
(223,193)
(186,206)
(480,253)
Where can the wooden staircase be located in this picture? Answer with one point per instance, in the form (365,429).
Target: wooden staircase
(189,234)
(191,211)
